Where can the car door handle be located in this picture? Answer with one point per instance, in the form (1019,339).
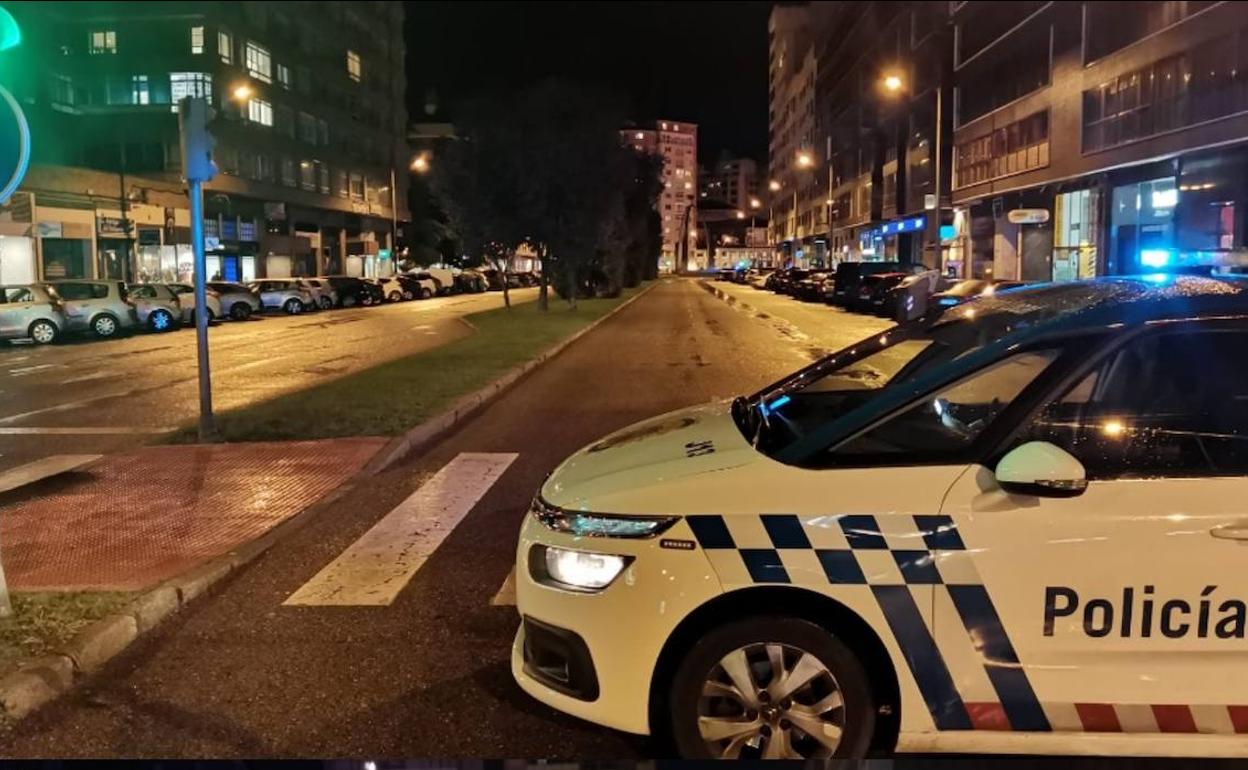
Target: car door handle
(1234,531)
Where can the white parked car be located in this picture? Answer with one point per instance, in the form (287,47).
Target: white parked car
(1017,528)
(186,298)
(286,294)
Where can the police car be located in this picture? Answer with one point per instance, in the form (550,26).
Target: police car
(1015,527)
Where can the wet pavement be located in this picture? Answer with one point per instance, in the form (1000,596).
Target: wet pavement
(88,396)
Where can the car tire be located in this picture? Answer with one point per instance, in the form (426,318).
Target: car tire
(394,296)
(425,293)
(292,306)
(105,326)
(839,692)
(160,321)
(43,332)
(327,303)
(408,295)
(240,311)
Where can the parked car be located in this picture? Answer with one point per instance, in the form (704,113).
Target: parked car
(237,301)
(760,277)
(873,289)
(422,285)
(323,294)
(156,305)
(848,276)
(493,279)
(392,289)
(99,307)
(186,298)
(285,294)
(969,289)
(810,288)
(351,291)
(374,293)
(470,282)
(789,279)
(443,277)
(911,298)
(30,311)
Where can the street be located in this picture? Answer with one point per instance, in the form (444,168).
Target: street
(247,673)
(88,396)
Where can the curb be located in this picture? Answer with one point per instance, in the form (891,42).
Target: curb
(38,681)
(402,447)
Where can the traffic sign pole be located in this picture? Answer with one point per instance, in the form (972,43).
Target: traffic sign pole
(207,421)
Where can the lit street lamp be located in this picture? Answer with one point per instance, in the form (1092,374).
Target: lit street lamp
(420,164)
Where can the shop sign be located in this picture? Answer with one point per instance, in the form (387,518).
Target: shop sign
(113,226)
(50,230)
(211,243)
(1028,216)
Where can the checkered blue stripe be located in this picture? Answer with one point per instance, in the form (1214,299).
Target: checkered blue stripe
(942,561)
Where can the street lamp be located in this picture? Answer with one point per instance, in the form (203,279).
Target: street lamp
(740,215)
(805,160)
(893,83)
(755,203)
(774,186)
(420,164)
(241,92)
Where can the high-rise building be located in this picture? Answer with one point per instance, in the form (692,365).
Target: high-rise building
(311,137)
(734,181)
(677,143)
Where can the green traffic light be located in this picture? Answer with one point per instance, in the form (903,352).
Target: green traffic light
(10,33)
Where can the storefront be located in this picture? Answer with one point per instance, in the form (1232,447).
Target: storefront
(896,240)
(1076,234)
(66,243)
(1142,225)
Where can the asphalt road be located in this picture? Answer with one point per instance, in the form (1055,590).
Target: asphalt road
(89,396)
(240,674)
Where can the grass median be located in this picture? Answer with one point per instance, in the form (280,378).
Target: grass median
(44,622)
(389,399)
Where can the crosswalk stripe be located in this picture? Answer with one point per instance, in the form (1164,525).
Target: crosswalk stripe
(375,568)
(506,596)
(41,469)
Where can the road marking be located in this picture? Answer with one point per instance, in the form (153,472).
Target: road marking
(41,469)
(506,596)
(86,378)
(375,568)
(24,370)
(82,431)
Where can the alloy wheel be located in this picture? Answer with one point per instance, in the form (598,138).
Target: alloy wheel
(104,326)
(773,701)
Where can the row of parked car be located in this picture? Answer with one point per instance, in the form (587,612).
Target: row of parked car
(45,311)
(890,289)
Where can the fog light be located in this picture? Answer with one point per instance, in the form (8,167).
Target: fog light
(580,569)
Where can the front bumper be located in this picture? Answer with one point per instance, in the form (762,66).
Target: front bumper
(622,628)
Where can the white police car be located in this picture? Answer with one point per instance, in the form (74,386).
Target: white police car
(1017,527)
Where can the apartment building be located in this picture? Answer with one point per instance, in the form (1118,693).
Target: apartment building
(677,143)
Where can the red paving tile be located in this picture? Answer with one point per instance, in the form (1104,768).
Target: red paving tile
(132,520)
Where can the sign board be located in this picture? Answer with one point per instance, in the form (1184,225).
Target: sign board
(112,225)
(383,254)
(929,201)
(1028,216)
(211,243)
(50,230)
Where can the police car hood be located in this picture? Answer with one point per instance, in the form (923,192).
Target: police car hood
(699,441)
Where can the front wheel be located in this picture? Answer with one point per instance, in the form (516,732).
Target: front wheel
(43,332)
(240,311)
(408,295)
(771,688)
(326,303)
(425,293)
(395,296)
(105,326)
(293,306)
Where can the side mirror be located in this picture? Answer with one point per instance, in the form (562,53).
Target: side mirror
(1041,469)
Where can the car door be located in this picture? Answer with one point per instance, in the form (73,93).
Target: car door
(15,305)
(1121,608)
(79,300)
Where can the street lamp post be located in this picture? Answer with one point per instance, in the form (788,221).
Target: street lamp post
(894,84)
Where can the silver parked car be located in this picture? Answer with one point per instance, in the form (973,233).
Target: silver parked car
(284,294)
(323,294)
(186,296)
(238,301)
(100,307)
(157,306)
(30,311)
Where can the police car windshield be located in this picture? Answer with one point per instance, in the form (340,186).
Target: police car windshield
(854,378)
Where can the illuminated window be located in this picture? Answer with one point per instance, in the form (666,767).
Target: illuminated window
(197,39)
(184,84)
(139,93)
(283,76)
(260,111)
(225,46)
(307,175)
(354,68)
(103,41)
(259,63)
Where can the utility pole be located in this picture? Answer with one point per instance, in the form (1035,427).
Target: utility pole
(194,114)
(394,221)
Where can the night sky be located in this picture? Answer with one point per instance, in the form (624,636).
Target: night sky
(718,50)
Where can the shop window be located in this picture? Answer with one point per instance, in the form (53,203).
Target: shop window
(1076,231)
(247,230)
(102,41)
(259,62)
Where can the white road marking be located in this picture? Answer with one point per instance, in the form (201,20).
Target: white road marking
(109,430)
(24,370)
(375,568)
(86,378)
(506,596)
(41,469)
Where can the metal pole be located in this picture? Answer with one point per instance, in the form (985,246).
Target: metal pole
(940,249)
(207,423)
(394,226)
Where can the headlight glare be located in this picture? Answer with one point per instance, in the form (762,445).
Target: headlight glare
(582,569)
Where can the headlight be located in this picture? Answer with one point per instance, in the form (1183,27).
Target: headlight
(599,524)
(578,570)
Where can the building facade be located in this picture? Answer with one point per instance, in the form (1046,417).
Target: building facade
(1094,141)
(677,143)
(310,128)
(734,181)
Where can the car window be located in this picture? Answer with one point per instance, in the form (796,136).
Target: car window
(143,292)
(952,419)
(181,288)
(1170,404)
(75,291)
(17,294)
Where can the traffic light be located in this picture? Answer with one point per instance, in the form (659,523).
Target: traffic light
(194,115)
